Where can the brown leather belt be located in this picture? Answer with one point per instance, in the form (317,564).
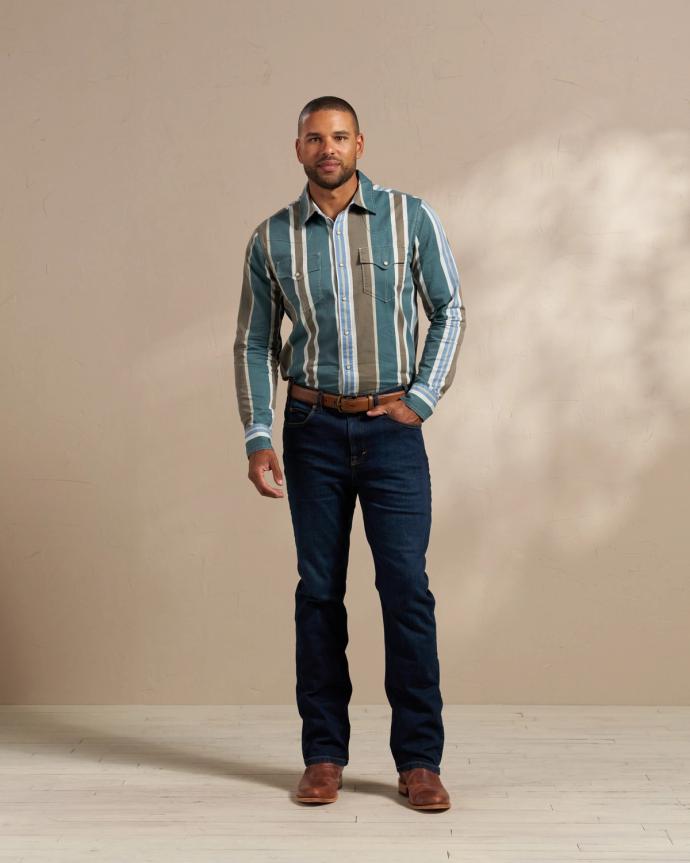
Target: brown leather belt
(345,404)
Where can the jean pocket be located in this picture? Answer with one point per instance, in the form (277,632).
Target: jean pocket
(404,425)
(297,412)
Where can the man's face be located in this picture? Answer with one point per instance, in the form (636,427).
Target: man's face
(328,147)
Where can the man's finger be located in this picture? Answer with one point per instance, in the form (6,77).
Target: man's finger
(277,472)
(263,487)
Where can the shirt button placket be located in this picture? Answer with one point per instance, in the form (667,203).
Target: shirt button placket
(343,296)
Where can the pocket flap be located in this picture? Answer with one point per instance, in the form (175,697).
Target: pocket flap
(381,257)
(286,270)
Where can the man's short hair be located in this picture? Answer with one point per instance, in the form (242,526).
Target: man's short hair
(326,103)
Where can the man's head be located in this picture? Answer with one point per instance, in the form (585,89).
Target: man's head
(328,141)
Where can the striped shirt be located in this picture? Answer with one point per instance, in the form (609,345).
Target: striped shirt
(349,286)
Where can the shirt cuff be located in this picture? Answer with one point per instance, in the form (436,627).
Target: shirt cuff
(421,399)
(257,436)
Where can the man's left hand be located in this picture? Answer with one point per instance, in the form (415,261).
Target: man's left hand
(399,411)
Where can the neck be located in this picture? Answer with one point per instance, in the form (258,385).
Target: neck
(332,201)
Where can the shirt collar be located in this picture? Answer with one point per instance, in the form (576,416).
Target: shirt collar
(363,198)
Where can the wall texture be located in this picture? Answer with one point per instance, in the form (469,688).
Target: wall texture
(142,143)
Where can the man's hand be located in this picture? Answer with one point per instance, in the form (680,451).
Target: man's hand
(260,461)
(398,411)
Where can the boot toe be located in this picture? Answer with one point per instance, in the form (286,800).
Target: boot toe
(320,783)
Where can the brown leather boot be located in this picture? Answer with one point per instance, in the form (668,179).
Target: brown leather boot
(320,783)
(423,788)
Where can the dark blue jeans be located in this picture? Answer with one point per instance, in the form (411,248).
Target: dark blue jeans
(331,458)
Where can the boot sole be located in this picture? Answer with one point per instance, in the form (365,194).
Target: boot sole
(404,790)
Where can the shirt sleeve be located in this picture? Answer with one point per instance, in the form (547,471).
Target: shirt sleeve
(437,281)
(257,347)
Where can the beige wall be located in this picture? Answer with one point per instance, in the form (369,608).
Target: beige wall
(143,141)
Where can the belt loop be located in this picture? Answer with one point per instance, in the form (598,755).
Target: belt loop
(376,399)
(319,399)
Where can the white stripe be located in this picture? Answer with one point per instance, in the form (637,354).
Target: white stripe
(391,208)
(451,330)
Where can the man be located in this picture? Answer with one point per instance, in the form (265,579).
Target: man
(346,262)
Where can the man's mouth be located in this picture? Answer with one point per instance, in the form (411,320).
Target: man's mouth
(328,164)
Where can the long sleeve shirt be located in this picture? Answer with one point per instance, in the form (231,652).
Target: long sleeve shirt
(349,286)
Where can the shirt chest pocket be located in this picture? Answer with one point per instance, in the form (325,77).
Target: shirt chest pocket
(380,270)
(298,282)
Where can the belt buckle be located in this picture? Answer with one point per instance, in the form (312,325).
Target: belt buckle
(340,397)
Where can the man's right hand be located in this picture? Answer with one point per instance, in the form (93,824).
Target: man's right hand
(260,461)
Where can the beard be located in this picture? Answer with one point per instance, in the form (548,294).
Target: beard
(329,181)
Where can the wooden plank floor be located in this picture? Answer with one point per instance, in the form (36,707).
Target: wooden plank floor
(194,784)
